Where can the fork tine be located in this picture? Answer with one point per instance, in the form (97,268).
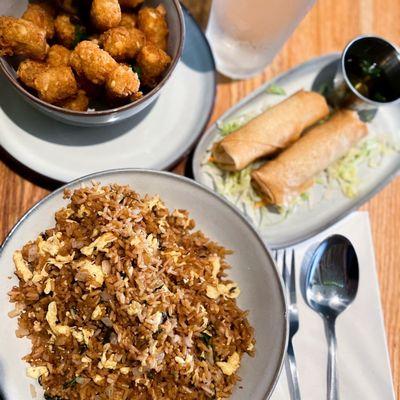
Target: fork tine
(292,284)
(275,255)
(285,272)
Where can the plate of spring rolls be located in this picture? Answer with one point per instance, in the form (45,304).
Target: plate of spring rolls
(292,164)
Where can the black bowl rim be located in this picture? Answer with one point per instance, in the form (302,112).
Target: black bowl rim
(110,111)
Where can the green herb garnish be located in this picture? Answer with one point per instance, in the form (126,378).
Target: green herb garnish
(275,89)
(80,35)
(206,338)
(70,383)
(370,68)
(82,348)
(379,97)
(151,375)
(138,70)
(158,288)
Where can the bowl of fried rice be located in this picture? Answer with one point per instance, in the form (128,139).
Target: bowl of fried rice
(134,284)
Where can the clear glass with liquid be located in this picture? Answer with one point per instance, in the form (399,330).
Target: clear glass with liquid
(245,35)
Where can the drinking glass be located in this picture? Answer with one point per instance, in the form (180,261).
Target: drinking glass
(245,35)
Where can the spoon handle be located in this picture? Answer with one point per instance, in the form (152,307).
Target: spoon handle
(333,391)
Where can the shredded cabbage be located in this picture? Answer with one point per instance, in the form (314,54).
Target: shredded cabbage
(275,89)
(344,173)
(236,187)
(228,127)
(225,128)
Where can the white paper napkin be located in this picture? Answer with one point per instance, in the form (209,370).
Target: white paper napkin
(363,361)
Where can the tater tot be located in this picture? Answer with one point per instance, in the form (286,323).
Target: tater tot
(66,31)
(42,15)
(105,14)
(79,102)
(22,38)
(152,22)
(130,3)
(128,20)
(122,43)
(153,62)
(122,82)
(56,84)
(92,62)
(28,71)
(58,55)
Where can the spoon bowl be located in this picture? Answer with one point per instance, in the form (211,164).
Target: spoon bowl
(331,286)
(332,278)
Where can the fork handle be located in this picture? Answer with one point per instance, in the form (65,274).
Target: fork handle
(291,372)
(333,391)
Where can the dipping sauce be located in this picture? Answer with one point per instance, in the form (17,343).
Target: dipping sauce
(372,66)
(370,80)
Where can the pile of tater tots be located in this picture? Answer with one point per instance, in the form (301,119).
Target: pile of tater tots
(84,55)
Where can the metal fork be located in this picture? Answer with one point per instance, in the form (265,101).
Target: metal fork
(289,279)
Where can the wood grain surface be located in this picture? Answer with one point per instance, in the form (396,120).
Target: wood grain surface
(328,27)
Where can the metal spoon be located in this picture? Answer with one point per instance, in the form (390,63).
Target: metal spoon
(330,287)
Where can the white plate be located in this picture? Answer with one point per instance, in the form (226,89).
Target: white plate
(306,221)
(252,268)
(156,138)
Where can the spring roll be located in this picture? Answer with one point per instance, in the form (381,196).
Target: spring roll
(273,130)
(292,172)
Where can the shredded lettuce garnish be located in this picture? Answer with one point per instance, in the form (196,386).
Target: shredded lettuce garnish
(344,174)
(237,188)
(225,128)
(275,89)
(237,185)
(346,170)
(228,127)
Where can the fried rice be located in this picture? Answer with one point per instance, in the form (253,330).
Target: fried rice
(123,299)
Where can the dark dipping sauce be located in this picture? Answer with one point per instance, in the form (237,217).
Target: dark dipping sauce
(369,68)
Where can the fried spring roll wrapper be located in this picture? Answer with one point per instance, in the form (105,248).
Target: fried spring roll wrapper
(292,172)
(274,130)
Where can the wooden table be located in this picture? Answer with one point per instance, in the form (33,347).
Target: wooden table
(328,27)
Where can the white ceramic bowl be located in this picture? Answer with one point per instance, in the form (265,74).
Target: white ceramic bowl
(104,117)
(252,267)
